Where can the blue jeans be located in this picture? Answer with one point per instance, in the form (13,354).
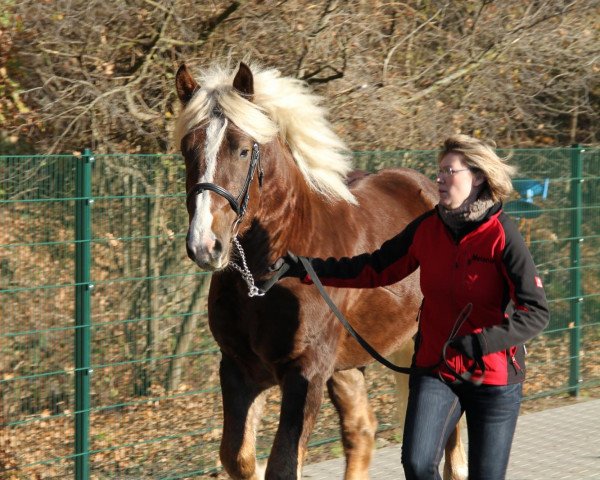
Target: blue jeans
(434,408)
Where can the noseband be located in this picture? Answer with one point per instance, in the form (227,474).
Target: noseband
(239,204)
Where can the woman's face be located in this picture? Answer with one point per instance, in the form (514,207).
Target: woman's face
(457,184)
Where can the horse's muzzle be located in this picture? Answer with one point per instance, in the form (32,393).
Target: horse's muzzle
(207,256)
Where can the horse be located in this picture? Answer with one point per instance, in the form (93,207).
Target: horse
(266,174)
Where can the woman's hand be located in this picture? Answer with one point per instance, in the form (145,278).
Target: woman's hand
(296,269)
(469,345)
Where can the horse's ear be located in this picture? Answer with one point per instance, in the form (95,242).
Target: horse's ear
(185,84)
(244,81)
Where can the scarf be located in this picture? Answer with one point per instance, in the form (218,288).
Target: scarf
(459,219)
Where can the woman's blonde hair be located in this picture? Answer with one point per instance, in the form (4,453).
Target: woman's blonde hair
(480,156)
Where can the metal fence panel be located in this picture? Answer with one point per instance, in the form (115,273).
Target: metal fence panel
(106,269)
(37,247)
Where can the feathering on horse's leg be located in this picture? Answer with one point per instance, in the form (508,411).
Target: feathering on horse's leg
(348,392)
(242,408)
(300,403)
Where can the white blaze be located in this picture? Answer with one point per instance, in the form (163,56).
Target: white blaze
(200,234)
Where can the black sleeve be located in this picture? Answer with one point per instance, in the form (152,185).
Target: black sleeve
(389,264)
(530,315)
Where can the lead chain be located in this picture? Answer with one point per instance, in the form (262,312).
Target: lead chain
(253,290)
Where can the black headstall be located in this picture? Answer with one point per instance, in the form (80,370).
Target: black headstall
(240,203)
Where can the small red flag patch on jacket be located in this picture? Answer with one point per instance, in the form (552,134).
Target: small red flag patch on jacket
(538,282)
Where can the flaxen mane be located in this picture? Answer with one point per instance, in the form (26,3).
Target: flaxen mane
(280,106)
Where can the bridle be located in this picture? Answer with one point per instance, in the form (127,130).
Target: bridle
(239,205)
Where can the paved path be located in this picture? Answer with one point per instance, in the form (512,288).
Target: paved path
(558,443)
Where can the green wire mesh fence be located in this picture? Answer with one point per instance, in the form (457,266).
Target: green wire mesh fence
(107,366)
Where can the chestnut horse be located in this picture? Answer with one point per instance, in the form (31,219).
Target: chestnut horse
(266,174)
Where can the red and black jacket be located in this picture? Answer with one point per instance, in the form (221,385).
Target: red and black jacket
(487,264)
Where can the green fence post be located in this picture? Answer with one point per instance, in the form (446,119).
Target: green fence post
(83,288)
(575,294)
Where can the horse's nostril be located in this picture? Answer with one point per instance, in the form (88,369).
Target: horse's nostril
(218,248)
(190,252)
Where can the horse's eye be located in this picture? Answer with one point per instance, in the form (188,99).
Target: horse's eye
(244,153)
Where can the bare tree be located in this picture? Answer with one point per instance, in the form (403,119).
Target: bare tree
(395,74)
(185,336)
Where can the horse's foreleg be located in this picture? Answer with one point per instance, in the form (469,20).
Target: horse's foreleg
(242,407)
(348,393)
(300,402)
(455,465)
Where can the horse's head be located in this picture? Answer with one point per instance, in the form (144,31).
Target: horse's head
(231,126)
(223,164)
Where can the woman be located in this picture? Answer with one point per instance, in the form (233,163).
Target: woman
(469,252)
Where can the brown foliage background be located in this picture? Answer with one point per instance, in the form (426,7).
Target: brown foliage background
(394,75)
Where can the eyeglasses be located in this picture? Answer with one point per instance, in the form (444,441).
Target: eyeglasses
(444,171)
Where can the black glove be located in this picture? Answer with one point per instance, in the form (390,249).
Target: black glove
(469,345)
(296,269)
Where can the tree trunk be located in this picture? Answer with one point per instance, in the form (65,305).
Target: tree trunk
(185,336)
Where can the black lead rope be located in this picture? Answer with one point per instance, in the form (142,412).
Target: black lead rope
(265,286)
(466,377)
(464,314)
(363,343)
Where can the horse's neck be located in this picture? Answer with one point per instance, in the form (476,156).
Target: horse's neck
(294,216)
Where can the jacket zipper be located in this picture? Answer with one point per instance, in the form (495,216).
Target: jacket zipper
(513,360)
